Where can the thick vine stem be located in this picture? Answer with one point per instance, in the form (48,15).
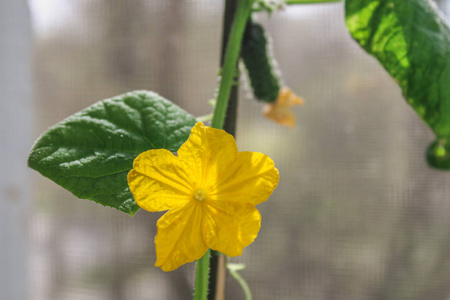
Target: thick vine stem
(202,277)
(226,84)
(217,279)
(231,57)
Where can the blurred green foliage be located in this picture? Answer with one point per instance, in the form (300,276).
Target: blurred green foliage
(411,39)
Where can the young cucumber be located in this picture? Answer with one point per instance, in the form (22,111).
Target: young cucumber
(263,78)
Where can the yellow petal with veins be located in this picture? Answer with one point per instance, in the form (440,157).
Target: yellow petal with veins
(179,238)
(158,181)
(206,153)
(251,179)
(229,227)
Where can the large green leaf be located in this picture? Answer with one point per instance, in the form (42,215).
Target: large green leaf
(411,39)
(91,152)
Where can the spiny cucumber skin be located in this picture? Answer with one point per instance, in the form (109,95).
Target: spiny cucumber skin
(264,81)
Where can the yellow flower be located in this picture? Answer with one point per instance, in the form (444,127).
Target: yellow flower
(280,110)
(210,190)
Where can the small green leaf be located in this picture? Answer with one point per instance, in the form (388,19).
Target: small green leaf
(411,39)
(91,152)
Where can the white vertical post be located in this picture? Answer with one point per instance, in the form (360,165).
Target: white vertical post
(15,142)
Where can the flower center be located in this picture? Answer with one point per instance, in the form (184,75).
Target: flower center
(200,195)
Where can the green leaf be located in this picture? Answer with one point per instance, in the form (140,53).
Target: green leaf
(91,152)
(411,39)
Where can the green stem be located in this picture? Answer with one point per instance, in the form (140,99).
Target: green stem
(201,278)
(233,268)
(217,280)
(229,67)
(228,73)
(291,2)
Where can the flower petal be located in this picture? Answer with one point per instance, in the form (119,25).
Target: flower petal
(179,238)
(252,178)
(283,115)
(207,153)
(158,181)
(287,98)
(230,226)
(280,111)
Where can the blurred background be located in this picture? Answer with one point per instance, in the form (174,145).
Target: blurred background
(358,214)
